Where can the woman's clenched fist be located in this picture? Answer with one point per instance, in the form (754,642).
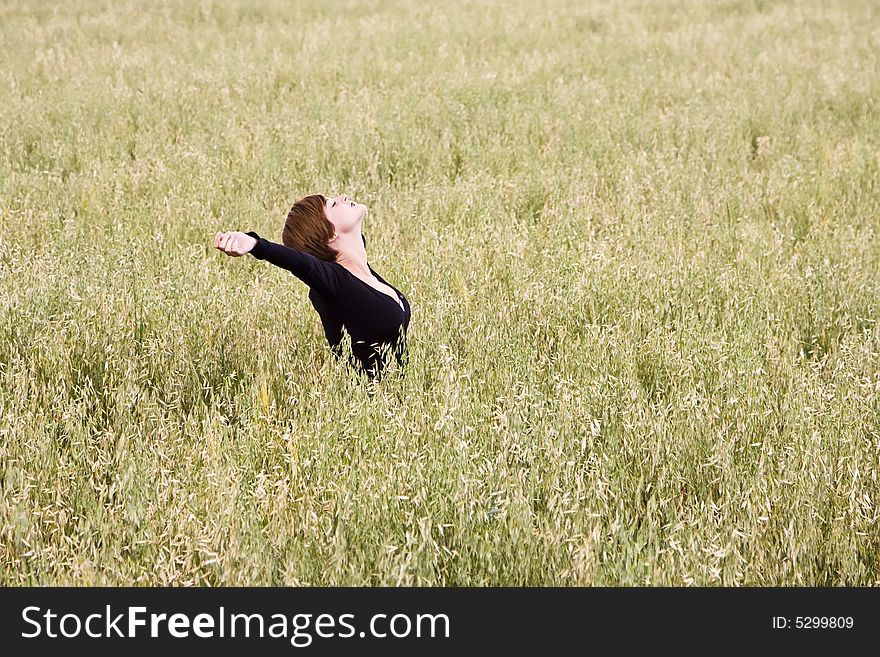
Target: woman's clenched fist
(234,243)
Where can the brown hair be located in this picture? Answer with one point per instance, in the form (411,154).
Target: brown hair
(308,229)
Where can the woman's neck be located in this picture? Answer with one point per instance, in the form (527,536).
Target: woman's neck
(353,254)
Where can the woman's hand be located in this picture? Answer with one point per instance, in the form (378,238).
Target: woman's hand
(234,243)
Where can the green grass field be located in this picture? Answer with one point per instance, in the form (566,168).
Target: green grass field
(640,240)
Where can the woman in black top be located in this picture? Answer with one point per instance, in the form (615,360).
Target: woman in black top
(344,289)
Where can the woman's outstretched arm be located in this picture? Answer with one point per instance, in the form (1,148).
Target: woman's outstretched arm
(316,273)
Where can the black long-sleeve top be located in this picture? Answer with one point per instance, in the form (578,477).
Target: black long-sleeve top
(375,322)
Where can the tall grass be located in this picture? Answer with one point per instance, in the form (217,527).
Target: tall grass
(640,240)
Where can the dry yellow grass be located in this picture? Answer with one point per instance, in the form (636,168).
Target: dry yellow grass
(640,242)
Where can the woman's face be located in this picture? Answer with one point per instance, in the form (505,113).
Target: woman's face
(344,213)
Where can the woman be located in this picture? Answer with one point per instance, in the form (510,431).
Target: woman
(325,249)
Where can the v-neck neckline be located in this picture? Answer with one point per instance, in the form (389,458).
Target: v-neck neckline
(399,303)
